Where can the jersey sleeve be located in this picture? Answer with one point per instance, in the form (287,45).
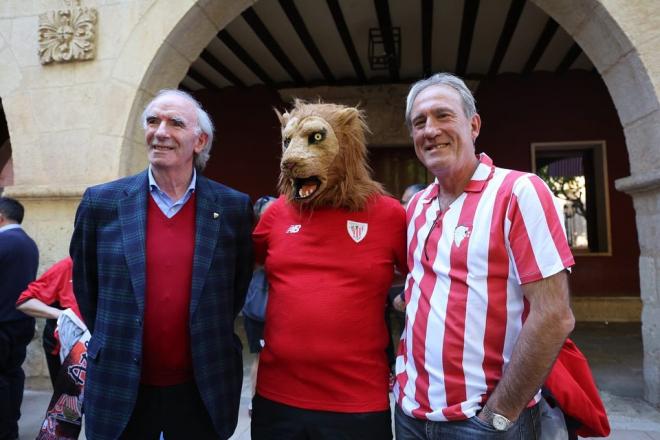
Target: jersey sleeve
(48,287)
(536,236)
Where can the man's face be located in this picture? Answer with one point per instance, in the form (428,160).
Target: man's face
(443,136)
(172,133)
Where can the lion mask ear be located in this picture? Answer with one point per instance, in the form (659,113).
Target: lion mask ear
(283,118)
(352,119)
(348,116)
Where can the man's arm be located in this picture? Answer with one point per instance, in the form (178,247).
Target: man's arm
(549,322)
(38,309)
(83,253)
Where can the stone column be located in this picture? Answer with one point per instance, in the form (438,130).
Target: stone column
(645,191)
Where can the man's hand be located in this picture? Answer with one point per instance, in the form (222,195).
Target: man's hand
(399,303)
(549,322)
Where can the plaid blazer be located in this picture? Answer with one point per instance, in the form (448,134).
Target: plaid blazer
(108,251)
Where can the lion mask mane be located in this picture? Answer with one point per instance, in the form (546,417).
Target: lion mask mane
(324,157)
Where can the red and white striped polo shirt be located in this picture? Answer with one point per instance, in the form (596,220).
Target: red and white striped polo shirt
(465,306)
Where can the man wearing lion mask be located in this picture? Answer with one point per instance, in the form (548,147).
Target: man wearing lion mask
(329,244)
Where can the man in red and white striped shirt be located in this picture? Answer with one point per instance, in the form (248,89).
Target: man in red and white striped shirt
(487,302)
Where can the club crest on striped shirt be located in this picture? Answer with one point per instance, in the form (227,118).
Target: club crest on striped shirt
(356,230)
(461,233)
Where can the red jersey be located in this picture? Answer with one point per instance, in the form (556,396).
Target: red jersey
(53,286)
(329,271)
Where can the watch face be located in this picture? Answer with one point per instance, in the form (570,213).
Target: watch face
(500,423)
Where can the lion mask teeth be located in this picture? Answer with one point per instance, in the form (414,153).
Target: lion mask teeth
(305,188)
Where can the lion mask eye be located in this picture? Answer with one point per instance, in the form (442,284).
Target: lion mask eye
(316,137)
(285,142)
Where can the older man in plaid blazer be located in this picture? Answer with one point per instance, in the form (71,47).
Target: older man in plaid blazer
(162,261)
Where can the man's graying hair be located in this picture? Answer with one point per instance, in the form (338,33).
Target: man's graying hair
(441,79)
(204,124)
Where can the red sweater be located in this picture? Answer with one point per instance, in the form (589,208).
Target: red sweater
(170,243)
(329,272)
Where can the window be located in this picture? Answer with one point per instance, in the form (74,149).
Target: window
(576,173)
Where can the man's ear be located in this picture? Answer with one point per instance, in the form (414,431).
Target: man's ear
(201,142)
(475,126)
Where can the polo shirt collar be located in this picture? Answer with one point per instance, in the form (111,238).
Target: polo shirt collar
(481,176)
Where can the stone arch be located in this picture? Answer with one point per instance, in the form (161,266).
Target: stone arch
(609,33)
(14,108)
(162,60)
(621,48)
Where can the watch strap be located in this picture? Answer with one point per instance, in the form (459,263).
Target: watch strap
(497,421)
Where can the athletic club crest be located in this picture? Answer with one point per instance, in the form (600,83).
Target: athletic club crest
(460,234)
(356,230)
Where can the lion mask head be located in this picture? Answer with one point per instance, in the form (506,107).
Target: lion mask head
(324,157)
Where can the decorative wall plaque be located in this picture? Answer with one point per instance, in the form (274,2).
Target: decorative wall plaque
(67,35)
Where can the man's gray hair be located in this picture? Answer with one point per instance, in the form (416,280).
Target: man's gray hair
(441,79)
(204,124)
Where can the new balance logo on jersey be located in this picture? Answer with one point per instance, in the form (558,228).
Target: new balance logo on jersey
(293,229)
(460,234)
(356,230)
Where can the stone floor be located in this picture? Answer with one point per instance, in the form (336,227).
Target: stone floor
(614,352)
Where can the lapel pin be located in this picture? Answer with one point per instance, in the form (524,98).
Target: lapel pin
(216,215)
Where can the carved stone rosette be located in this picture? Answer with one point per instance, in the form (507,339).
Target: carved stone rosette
(67,35)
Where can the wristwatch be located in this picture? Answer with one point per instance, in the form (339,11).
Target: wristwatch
(497,421)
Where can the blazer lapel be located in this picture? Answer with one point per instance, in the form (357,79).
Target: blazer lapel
(208,218)
(133,217)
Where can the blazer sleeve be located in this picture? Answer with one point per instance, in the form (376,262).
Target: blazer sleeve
(83,253)
(244,255)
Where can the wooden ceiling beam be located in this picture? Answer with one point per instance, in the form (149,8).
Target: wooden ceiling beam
(299,26)
(342,29)
(259,28)
(201,79)
(542,43)
(571,55)
(385,24)
(427,36)
(212,61)
(470,10)
(512,18)
(245,58)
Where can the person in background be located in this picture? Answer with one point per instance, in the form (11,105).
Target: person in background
(254,310)
(19,260)
(46,297)
(411,191)
(51,297)
(487,299)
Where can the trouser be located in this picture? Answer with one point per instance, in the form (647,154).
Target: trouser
(526,427)
(177,411)
(276,421)
(50,344)
(14,338)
